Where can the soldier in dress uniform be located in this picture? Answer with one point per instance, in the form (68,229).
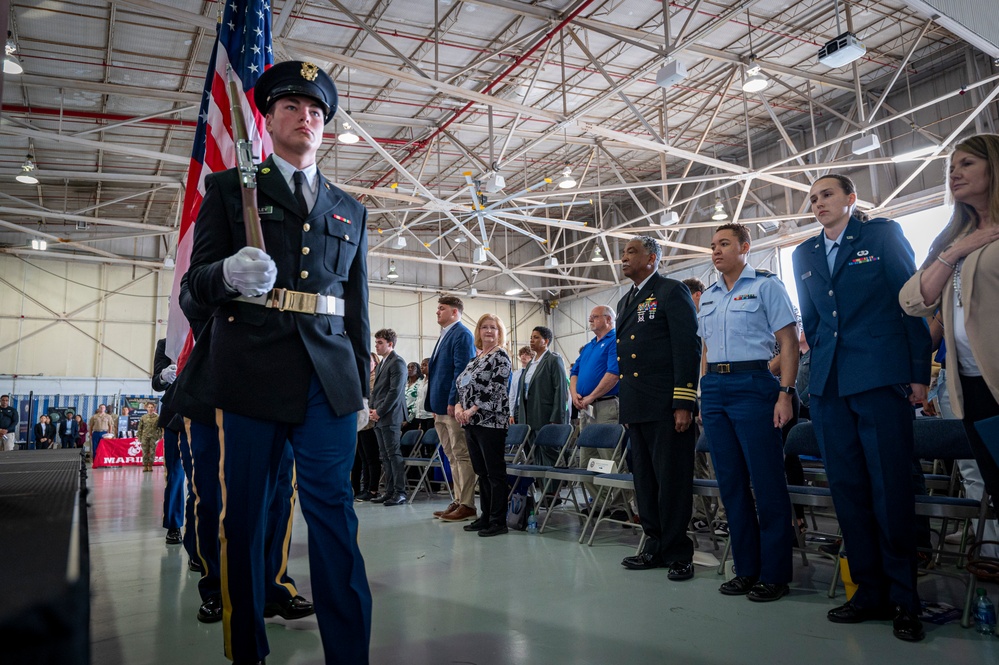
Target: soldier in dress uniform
(287,360)
(744,407)
(658,357)
(870,365)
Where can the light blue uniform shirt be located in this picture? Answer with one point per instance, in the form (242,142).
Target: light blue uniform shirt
(739,325)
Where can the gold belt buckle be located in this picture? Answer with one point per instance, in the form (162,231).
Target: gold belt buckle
(723,368)
(296,301)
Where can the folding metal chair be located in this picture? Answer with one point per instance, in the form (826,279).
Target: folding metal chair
(597,435)
(516,441)
(551,436)
(429,438)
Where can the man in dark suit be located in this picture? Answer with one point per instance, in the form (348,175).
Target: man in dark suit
(293,319)
(388,411)
(543,393)
(452,353)
(870,362)
(659,359)
(69,430)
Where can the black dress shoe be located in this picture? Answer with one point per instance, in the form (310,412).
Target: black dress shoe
(766,593)
(173,537)
(907,626)
(294,608)
(680,571)
(477,525)
(737,586)
(494,530)
(643,561)
(364,496)
(397,500)
(850,613)
(195,566)
(381,498)
(211,610)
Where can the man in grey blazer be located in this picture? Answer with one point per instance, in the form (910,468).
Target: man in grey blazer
(388,411)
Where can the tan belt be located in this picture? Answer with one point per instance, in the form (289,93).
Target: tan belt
(286,300)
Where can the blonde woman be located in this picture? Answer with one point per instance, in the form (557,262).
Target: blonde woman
(483,410)
(960,278)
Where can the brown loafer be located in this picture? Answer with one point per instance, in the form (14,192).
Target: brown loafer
(441,513)
(459,514)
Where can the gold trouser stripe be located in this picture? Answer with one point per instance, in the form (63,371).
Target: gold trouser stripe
(197,497)
(287,535)
(223,545)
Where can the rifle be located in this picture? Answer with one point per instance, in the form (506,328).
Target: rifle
(247,169)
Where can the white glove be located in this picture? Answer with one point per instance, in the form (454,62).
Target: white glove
(250,271)
(362,415)
(169,374)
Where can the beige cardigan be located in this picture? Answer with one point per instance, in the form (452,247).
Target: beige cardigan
(980,295)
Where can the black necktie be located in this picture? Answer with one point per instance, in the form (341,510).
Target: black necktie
(299,179)
(631,295)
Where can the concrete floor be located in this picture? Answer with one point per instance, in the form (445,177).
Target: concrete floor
(444,596)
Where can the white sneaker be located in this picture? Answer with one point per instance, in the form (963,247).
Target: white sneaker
(955,538)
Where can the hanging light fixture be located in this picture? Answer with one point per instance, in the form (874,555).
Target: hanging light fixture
(392,274)
(597,256)
(26,175)
(11,65)
(514,291)
(567,181)
(39,244)
(755,80)
(399,242)
(719,213)
(347,136)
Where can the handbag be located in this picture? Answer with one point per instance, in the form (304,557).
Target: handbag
(521,506)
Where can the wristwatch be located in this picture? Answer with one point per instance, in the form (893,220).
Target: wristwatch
(790,390)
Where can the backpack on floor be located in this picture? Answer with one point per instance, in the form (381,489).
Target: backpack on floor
(521,506)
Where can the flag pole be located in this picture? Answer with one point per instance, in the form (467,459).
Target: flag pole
(247,169)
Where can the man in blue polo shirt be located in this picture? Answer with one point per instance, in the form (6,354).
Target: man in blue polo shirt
(593,382)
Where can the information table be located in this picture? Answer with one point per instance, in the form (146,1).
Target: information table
(124,452)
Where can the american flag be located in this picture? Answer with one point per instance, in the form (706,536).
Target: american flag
(244,43)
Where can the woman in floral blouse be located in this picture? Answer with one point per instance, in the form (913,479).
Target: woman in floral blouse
(483,409)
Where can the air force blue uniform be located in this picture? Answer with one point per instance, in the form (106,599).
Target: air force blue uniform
(865,353)
(737,410)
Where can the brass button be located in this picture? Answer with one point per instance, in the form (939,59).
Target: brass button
(636,374)
(619,358)
(306,227)
(834,314)
(304,274)
(306,250)
(346,237)
(622,376)
(835,334)
(618,341)
(830,293)
(633,355)
(633,337)
(231,319)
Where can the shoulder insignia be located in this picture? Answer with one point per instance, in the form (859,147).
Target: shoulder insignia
(765,273)
(265,170)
